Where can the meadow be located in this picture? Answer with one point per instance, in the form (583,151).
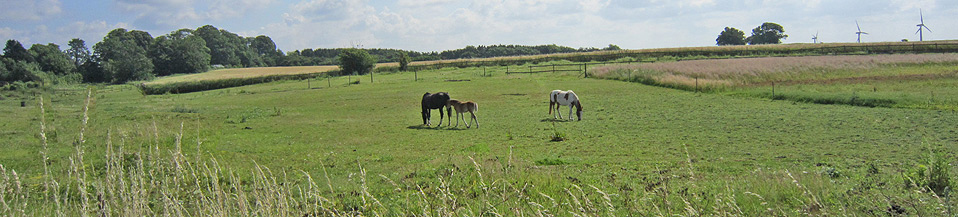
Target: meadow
(347,149)
(891,80)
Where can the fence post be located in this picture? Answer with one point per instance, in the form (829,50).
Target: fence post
(507,69)
(585,69)
(416,74)
(530,69)
(370,77)
(483,71)
(328,82)
(553,68)
(308,85)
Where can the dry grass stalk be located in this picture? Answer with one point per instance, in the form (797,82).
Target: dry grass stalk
(816,205)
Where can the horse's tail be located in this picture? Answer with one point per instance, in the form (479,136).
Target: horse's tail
(475,107)
(553,98)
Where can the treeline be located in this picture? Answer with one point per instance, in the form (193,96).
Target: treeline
(133,55)
(328,56)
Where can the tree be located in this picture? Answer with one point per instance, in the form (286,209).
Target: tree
(731,36)
(357,61)
(263,45)
(179,52)
(122,58)
(767,33)
(51,59)
(92,72)
(403,61)
(14,50)
(221,51)
(612,47)
(16,70)
(78,52)
(266,48)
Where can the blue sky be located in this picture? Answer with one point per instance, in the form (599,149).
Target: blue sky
(435,25)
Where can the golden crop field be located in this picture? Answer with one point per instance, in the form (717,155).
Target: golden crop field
(243,73)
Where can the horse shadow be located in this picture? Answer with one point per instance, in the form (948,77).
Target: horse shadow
(424,127)
(555,120)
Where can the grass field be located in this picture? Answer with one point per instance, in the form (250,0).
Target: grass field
(281,148)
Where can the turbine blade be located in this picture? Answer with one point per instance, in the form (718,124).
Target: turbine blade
(919,30)
(922,17)
(926,27)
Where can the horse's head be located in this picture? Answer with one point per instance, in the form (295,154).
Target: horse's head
(578,108)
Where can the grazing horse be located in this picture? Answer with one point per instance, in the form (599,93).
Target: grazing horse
(463,107)
(432,101)
(560,98)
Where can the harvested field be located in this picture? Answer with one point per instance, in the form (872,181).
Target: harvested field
(749,71)
(900,80)
(243,73)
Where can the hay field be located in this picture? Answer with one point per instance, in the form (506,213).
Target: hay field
(243,73)
(892,80)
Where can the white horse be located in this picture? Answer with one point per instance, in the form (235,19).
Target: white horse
(560,98)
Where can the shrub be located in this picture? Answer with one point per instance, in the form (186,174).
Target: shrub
(934,176)
(550,162)
(558,136)
(356,61)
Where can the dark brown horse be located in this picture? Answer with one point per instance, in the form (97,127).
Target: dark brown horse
(433,101)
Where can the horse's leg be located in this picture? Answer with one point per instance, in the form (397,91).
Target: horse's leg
(557,110)
(474,118)
(440,117)
(459,115)
(570,111)
(426,117)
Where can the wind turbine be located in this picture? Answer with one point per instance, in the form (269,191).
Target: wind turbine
(815,38)
(921,25)
(859,32)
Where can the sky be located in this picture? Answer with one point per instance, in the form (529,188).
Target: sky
(437,25)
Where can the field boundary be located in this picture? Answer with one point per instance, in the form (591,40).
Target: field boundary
(202,85)
(649,55)
(586,59)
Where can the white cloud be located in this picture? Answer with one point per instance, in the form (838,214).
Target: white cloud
(90,31)
(223,9)
(154,14)
(29,9)
(909,5)
(697,3)
(7,32)
(421,3)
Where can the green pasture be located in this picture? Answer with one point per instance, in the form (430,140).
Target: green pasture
(640,150)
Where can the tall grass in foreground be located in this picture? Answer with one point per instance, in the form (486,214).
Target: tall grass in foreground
(147,180)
